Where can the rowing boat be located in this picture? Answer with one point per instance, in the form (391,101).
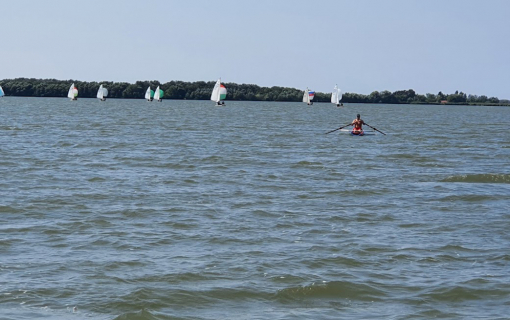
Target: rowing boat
(363,133)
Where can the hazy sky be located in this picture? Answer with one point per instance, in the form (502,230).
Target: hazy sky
(361,45)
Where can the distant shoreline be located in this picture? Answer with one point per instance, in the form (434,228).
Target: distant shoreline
(201,90)
(316,102)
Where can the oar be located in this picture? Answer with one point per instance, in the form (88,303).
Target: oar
(375,129)
(339,128)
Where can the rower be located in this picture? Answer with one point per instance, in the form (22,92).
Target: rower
(358,125)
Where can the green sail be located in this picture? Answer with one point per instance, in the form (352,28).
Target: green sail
(152,93)
(223,92)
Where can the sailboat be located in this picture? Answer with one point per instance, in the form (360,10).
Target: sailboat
(102,93)
(72,93)
(158,94)
(336,96)
(219,93)
(149,94)
(308,96)
(2,93)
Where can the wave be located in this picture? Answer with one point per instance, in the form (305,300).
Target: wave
(9,128)
(479,178)
(145,314)
(307,164)
(139,315)
(9,209)
(467,292)
(334,289)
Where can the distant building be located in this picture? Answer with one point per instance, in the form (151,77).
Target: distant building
(444,101)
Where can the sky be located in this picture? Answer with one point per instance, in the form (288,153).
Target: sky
(361,45)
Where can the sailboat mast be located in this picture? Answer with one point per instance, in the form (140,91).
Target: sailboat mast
(219,95)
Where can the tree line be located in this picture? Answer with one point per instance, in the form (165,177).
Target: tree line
(201,90)
(411,97)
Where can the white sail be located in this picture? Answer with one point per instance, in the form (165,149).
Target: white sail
(2,92)
(156,94)
(100,93)
(306,96)
(72,93)
(148,93)
(215,95)
(334,95)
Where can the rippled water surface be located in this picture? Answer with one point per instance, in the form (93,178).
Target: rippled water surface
(126,209)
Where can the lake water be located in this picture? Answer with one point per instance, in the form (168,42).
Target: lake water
(127,209)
